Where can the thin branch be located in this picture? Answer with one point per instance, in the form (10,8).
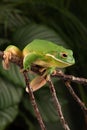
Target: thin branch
(1,54)
(19,61)
(58,74)
(34,104)
(81,104)
(58,106)
(72,78)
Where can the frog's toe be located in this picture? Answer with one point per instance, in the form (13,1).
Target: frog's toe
(6,60)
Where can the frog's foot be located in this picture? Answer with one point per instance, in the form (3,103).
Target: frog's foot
(6,60)
(58,71)
(42,71)
(48,72)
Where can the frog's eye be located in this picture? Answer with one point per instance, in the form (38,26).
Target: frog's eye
(63,55)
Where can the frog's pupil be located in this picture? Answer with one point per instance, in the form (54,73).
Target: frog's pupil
(64,55)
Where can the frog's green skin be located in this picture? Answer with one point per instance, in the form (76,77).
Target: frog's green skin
(48,55)
(45,54)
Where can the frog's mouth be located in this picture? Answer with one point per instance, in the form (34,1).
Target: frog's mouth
(60,63)
(52,62)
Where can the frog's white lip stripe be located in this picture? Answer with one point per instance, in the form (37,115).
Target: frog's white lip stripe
(57,59)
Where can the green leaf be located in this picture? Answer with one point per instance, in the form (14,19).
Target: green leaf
(34,31)
(11,17)
(14,74)
(10,96)
(7,116)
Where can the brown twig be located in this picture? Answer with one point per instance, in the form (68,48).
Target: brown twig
(1,54)
(34,104)
(58,106)
(59,74)
(71,78)
(19,61)
(77,99)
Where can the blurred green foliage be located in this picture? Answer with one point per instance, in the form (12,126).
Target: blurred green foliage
(61,21)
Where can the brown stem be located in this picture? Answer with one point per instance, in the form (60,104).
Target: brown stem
(19,61)
(58,74)
(58,106)
(85,124)
(72,78)
(34,104)
(81,104)
(1,54)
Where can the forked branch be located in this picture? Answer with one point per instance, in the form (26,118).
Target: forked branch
(34,104)
(58,106)
(77,99)
(68,78)
(71,78)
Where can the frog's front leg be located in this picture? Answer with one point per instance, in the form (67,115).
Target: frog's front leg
(29,59)
(38,81)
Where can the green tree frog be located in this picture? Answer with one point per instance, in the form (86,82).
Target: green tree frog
(48,55)
(43,53)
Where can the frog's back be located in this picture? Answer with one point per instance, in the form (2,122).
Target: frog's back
(42,46)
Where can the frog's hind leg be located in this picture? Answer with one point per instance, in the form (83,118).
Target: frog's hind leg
(37,83)
(40,81)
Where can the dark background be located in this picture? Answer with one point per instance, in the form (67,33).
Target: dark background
(63,22)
